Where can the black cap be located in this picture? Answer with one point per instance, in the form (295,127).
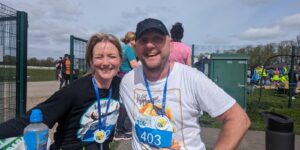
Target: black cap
(150,23)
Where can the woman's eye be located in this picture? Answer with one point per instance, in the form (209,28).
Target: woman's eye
(113,56)
(98,57)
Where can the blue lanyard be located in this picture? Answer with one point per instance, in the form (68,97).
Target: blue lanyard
(100,124)
(164,94)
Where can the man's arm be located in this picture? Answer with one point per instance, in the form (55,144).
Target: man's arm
(235,125)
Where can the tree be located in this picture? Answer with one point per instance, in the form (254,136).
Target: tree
(33,62)
(48,62)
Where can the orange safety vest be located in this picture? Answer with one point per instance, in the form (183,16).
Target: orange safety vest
(68,67)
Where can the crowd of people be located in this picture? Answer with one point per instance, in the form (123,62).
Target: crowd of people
(277,78)
(147,81)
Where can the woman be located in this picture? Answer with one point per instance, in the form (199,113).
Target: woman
(180,52)
(75,108)
(129,61)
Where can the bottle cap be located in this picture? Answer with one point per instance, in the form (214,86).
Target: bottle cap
(36,115)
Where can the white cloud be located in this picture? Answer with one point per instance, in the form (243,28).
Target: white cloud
(261,33)
(292,21)
(286,27)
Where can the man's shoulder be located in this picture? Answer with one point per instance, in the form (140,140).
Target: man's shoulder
(186,71)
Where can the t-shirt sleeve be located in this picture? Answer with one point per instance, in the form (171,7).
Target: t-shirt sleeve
(13,127)
(57,106)
(130,54)
(210,97)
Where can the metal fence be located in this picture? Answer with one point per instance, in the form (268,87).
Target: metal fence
(77,53)
(13,54)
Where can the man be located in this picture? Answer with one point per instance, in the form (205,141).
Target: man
(165,100)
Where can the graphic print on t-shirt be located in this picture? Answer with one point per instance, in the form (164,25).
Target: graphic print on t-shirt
(89,120)
(146,115)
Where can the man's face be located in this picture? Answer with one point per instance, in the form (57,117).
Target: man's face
(153,49)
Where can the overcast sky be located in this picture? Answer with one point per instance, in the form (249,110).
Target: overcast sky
(206,22)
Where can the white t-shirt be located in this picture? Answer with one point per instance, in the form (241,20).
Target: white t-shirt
(189,92)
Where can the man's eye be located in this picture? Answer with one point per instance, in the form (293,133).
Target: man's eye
(157,39)
(143,41)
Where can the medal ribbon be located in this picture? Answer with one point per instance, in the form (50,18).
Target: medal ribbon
(101,125)
(162,113)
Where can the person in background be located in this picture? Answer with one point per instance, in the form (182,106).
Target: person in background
(60,77)
(129,58)
(86,108)
(180,52)
(293,80)
(58,68)
(66,70)
(123,129)
(164,99)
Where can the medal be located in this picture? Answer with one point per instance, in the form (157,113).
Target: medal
(162,123)
(99,136)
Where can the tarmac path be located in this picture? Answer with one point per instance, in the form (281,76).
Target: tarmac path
(254,140)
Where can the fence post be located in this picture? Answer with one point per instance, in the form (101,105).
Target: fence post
(21,75)
(291,72)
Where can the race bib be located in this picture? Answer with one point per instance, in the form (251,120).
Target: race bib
(156,131)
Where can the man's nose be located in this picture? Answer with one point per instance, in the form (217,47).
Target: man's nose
(150,44)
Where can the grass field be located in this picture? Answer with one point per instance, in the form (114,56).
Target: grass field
(270,102)
(40,75)
(32,74)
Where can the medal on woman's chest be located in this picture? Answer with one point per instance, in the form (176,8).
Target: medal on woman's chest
(100,136)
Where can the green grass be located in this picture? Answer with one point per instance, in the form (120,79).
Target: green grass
(40,75)
(270,102)
(9,74)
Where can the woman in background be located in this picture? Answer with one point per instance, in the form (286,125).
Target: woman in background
(180,52)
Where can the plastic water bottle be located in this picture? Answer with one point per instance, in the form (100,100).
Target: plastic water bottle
(36,133)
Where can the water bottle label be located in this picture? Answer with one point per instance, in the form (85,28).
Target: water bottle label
(36,140)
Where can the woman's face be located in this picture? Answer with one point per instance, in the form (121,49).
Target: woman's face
(106,60)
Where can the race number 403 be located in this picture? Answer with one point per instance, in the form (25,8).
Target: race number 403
(150,138)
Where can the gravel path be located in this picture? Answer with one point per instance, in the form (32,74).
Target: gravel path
(38,92)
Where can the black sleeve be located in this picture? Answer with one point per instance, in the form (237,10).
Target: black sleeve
(53,110)
(13,127)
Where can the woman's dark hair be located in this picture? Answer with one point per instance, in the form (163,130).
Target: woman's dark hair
(177,32)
